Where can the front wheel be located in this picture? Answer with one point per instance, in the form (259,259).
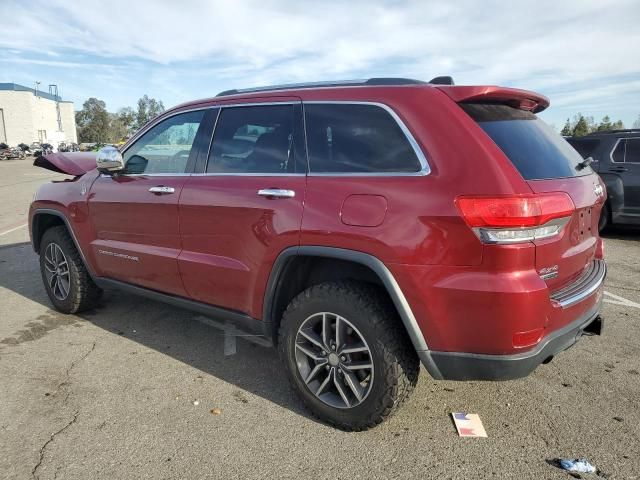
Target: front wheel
(347,354)
(65,277)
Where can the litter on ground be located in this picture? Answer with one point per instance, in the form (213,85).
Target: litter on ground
(468,424)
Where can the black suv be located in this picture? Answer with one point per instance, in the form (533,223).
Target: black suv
(616,157)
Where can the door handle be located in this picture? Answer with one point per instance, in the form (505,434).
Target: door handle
(617,169)
(276,193)
(162,190)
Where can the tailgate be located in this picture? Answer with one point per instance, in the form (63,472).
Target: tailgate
(561,259)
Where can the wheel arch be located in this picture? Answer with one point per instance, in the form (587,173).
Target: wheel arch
(362,265)
(615,192)
(45,218)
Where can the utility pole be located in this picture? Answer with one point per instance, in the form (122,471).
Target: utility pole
(36,89)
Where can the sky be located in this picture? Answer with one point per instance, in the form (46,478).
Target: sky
(583,54)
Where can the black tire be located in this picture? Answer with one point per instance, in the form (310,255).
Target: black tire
(82,293)
(605,218)
(395,363)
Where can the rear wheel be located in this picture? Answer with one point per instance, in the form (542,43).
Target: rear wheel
(347,355)
(65,277)
(605,217)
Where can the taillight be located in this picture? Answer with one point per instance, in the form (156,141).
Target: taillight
(517,218)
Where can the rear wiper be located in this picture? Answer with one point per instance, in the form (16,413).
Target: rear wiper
(585,163)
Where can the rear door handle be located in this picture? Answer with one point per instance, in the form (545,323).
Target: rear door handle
(162,190)
(276,193)
(617,169)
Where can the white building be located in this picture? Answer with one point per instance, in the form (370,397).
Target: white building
(28,116)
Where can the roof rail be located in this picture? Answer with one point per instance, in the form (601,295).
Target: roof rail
(621,130)
(376,81)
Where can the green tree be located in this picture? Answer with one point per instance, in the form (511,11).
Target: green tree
(636,124)
(581,127)
(148,109)
(118,130)
(93,121)
(605,124)
(619,125)
(567,130)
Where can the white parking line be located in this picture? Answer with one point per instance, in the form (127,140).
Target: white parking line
(618,300)
(13,229)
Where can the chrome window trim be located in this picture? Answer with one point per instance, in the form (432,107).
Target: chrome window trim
(424,171)
(614,149)
(625,150)
(425,168)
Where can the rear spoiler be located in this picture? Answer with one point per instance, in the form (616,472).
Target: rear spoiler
(71,163)
(522,99)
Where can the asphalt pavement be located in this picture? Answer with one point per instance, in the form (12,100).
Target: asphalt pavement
(139,389)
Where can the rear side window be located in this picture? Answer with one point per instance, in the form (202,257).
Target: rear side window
(632,153)
(618,153)
(584,146)
(534,148)
(354,138)
(258,139)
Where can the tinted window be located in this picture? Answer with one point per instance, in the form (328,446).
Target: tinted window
(166,147)
(633,150)
(257,140)
(533,147)
(618,152)
(356,138)
(584,146)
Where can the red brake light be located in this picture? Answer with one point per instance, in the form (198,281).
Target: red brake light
(515,211)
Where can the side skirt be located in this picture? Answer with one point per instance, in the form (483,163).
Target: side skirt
(241,320)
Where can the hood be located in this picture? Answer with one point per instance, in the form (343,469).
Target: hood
(71,163)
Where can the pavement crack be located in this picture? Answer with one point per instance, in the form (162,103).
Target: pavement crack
(67,373)
(34,471)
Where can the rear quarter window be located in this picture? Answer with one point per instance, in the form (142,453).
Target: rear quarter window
(534,148)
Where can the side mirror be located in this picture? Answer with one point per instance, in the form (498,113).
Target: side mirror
(109,160)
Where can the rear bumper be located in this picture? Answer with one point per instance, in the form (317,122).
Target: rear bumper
(471,366)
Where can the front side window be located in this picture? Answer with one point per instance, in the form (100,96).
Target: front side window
(356,138)
(166,147)
(632,154)
(257,139)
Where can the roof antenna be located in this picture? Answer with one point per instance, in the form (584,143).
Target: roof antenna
(444,80)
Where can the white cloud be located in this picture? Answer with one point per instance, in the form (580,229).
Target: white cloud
(544,45)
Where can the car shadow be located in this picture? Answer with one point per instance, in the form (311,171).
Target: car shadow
(619,232)
(155,325)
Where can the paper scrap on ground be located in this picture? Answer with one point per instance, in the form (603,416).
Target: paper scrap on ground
(468,424)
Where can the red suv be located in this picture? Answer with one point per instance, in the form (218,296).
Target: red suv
(364,227)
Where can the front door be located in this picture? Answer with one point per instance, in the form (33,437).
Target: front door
(245,206)
(135,213)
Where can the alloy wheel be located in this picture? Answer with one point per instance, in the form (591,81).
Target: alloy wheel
(334,360)
(56,270)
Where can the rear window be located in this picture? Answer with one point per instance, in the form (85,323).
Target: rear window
(584,146)
(534,148)
(356,138)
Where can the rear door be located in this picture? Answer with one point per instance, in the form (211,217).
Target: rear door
(549,164)
(245,205)
(135,213)
(625,163)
